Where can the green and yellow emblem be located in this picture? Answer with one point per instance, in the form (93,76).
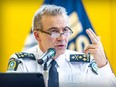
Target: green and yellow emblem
(13,63)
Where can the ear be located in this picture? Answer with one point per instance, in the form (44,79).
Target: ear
(36,34)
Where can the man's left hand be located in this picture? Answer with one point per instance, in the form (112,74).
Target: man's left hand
(96,49)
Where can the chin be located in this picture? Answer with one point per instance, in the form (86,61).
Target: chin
(60,52)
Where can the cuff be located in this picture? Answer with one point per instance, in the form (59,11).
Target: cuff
(105,71)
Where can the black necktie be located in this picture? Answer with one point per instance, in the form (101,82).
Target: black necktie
(53,75)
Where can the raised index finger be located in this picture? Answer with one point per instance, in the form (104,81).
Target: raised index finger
(92,36)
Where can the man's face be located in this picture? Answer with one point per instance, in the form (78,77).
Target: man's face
(53,24)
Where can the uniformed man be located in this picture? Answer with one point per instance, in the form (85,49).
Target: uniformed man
(51,30)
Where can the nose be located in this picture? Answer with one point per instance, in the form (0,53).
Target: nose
(61,37)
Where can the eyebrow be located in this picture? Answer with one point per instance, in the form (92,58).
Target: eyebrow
(54,28)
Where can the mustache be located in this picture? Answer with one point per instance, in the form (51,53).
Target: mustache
(57,44)
(60,43)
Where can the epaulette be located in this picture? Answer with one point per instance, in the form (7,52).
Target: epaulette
(25,55)
(80,58)
(13,64)
(94,67)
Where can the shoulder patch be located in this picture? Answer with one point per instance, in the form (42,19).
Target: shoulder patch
(94,67)
(13,64)
(25,55)
(79,58)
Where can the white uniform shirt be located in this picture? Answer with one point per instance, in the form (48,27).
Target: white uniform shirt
(71,74)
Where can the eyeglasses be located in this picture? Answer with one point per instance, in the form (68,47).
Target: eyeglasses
(54,33)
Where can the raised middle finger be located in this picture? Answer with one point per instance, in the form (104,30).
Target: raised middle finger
(92,36)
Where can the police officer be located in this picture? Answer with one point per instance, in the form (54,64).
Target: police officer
(51,30)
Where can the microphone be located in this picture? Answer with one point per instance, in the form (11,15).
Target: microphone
(50,53)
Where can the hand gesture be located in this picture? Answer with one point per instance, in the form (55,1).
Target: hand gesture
(96,49)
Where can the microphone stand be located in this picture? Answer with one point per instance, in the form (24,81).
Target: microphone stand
(45,68)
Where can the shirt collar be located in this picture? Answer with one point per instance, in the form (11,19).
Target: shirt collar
(60,60)
(39,51)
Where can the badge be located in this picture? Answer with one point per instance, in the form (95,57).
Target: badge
(94,67)
(13,64)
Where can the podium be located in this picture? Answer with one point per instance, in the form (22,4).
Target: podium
(21,80)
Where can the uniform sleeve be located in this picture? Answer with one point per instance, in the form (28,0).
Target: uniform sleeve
(16,62)
(104,77)
(107,74)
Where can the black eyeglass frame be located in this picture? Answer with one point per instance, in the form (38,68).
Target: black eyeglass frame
(49,33)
